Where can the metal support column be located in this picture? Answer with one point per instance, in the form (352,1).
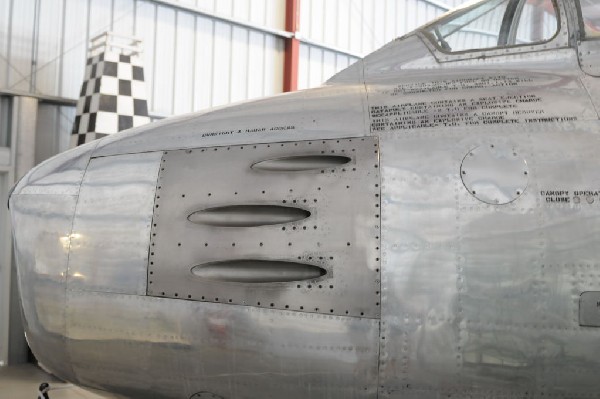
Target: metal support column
(23,121)
(24,124)
(292,46)
(6,177)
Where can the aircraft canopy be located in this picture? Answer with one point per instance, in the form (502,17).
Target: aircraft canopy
(495,23)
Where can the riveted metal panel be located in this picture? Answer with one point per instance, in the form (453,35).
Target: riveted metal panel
(483,300)
(341,235)
(494,174)
(589,56)
(42,250)
(58,175)
(589,309)
(111,229)
(131,344)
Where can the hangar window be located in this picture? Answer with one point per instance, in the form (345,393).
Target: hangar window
(590,10)
(495,23)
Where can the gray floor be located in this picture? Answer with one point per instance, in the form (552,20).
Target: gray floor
(22,382)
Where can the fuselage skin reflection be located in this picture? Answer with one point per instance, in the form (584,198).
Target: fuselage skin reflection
(425,224)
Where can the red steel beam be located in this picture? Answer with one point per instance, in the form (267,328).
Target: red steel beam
(292,46)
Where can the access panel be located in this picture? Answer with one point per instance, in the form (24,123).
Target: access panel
(291,226)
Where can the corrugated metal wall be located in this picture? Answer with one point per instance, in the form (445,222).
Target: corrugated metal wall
(54,126)
(356,28)
(362,26)
(269,13)
(195,61)
(192,61)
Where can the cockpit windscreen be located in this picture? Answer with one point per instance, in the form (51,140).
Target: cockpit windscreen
(590,10)
(495,23)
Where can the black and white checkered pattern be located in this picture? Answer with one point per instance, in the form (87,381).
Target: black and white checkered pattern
(112,98)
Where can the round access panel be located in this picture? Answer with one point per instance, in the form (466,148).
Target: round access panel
(495,174)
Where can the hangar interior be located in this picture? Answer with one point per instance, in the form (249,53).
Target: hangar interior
(197,54)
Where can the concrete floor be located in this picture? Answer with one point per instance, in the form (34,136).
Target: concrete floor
(22,382)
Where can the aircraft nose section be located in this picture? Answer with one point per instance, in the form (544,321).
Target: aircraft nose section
(42,206)
(10,193)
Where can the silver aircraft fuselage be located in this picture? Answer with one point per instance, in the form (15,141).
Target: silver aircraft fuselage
(425,225)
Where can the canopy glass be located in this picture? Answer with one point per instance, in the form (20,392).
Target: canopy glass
(495,23)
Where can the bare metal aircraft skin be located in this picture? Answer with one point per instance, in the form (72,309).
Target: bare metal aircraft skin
(426,224)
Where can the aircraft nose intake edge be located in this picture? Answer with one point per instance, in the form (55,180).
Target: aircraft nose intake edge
(10,193)
(41,230)
(42,207)
(12,190)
